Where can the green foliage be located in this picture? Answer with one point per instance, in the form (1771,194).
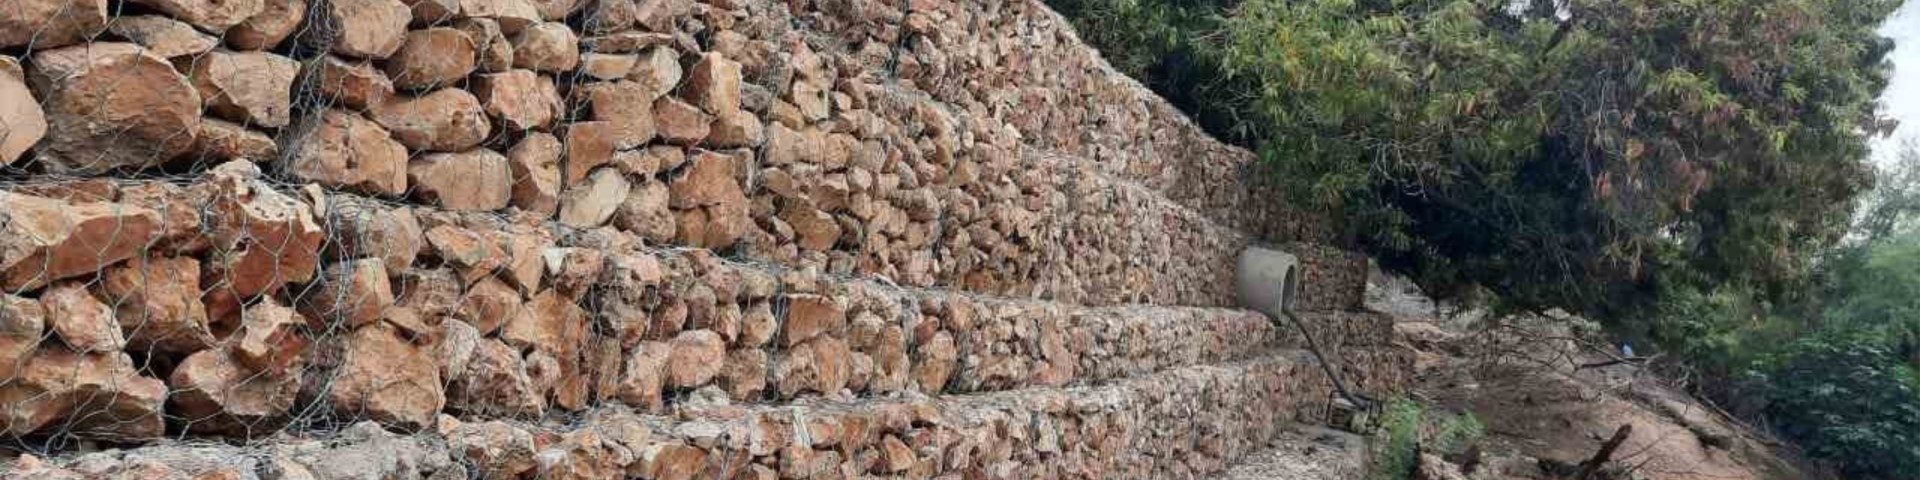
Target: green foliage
(1845,398)
(1407,428)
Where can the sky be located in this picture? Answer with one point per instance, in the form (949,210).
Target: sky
(1902,98)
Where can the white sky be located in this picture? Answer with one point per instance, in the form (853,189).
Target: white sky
(1902,98)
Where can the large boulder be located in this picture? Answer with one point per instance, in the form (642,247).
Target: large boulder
(42,239)
(371,29)
(98,395)
(343,150)
(45,24)
(520,100)
(447,120)
(387,379)
(433,57)
(249,87)
(157,304)
(113,105)
(479,180)
(265,30)
(262,238)
(213,393)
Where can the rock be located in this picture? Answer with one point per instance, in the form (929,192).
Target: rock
(494,51)
(471,254)
(454,350)
(496,384)
(98,395)
(578,456)
(261,239)
(22,324)
(547,47)
(350,293)
(757,325)
(609,16)
(628,106)
(513,16)
(213,15)
(810,315)
(490,303)
(659,15)
(556,10)
(477,180)
(98,123)
(212,393)
(671,461)
(387,379)
(574,269)
(535,164)
(84,324)
(269,339)
(520,100)
(222,141)
(713,84)
(446,120)
(895,456)
(816,230)
(264,31)
(710,179)
(526,258)
(736,129)
(22,123)
(819,365)
(156,302)
(588,145)
(42,240)
(553,323)
(593,203)
(163,36)
(645,376)
(343,150)
(498,449)
(363,228)
(433,12)
(607,66)
(370,29)
(48,24)
(681,123)
(433,57)
(352,84)
(625,41)
(745,374)
(696,357)
(251,87)
(934,363)
(657,70)
(644,212)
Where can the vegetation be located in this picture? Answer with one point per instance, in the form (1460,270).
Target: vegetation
(1408,428)
(1694,173)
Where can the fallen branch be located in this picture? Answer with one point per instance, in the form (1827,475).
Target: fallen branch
(1615,361)
(1605,454)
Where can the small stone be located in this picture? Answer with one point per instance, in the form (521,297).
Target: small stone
(736,129)
(473,255)
(351,293)
(645,376)
(609,16)
(512,15)
(47,24)
(498,449)
(588,146)
(681,123)
(745,374)
(895,455)
(607,66)
(476,180)
(91,395)
(342,150)
(163,36)
(213,15)
(709,180)
(489,303)
(934,363)
(371,29)
(535,164)
(658,70)
(248,87)
(22,322)
(624,41)
(817,231)
(97,123)
(433,57)
(264,31)
(433,12)
(270,338)
(547,47)
(363,228)
(455,349)
(82,321)
(593,203)
(447,120)
(520,100)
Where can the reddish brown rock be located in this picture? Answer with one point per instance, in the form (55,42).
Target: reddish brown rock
(934,363)
(609,16)
(496,384)
(473,255)
(84,324)
(592,203)
(433,292)
(713,84)
(520,100)
(22,324)
(433,57)
(387,379)
(343,150)
(628,106)
(495,53)
(526,262)
(556,10)
(710,179)
(645,376)
(353,84)
(22,123)
(810,315)
(350,293)
(98,395)
(512,15)
(659,15)
(744,374)
(736,129)
(454,349)
(488,304)
(553,323)
(657,70)
(588,146)
(631,41)
(498,449)
(222,141)
(250,87)
(895,456)
(478,180)
(574,269)
(607,66)
(156,302)
(447,120)
(163,36)
(265,30)
(261,239)
(371,29)
(213,393)
(681,123)
(42,240)
(535,164)
(213,15)
(433,12)
(113,105)
(645,212)
(816,230)
(695,358)
(547,47)
(363,228)
(671,461)
(269,339)
(819,365)
(757,325)
(45,24)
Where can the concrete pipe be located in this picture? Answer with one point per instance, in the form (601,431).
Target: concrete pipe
(1268,279)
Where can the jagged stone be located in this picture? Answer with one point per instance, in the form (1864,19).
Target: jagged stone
(681,123)
(352,84)
(47,24)
(446,120)
(343,150)
(387,379)
(489,303)
(645,377)
(156,302)
(97,395)
(433,57)
(83,323)
(607,66)
(588,146)
(535,164)
(628,106)
(214,393)
(645,212)
(351,293)
(261,239)
(96,123)
(713,84)
(223,141)
(546,47)
(478,180)
(811,315)
(163,36)
(43,240)
(520,100)
(512,15)
(591,204)
(695,358)
(213,15)
(495,53)
(277,20)
(454,350)
(473,255)
(363,228)
(498,449)
(497,384)
(270,339)
(248,87)
(370,29)
(22,122)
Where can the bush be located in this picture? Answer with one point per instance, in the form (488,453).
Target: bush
(1408,428)
(1845,400)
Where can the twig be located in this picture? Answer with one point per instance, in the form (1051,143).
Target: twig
(1605,454)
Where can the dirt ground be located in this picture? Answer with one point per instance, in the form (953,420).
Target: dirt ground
(1534,382)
